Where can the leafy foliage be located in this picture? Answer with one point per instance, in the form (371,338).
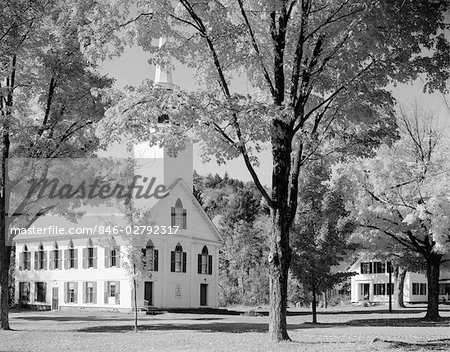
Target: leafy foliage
(317,72)
(401,197)
(236,208)
(321,234)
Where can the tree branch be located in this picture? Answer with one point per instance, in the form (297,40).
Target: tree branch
(255,46)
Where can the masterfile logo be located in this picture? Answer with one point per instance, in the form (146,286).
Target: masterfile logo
(53,188)
(75,189)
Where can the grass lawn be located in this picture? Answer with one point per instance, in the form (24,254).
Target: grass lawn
(340,329)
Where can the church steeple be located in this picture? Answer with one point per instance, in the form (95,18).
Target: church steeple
(162,164)
(163,75)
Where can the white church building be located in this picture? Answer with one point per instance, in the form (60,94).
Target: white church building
(180,268)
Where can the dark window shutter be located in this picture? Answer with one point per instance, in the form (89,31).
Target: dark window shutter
(210,264)
(44,253)
(199,266)
(85,253)
(51,265)
(172,216)
(84,292)
(107,257)
(172,261)
(184,219)
(66,259)
(106,291)
(75,251)
(21,261)
(95,258)
(36,287)
(76,293)
(44,291)
(60,259)
(370,268)
(36,261)
(117,292)
(66,292)
(117,257)
(184,262)
(95,293)
(155,260)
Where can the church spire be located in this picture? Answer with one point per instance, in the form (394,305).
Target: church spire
(163,75)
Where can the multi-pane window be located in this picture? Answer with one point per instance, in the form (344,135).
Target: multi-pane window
(24,292)
(390,289)
(71,292)
(40,258)
(25,259)
(178,260)
(89,256)
(112,292)
(379,289)
(444,289)
(90,292)
(179,215)
(150,257)
(40,291)
(378,267)
(389,267)
(112,257)
(419,289)
(366,268)
(71,257)
(55,258)
(423,289)
(204,262)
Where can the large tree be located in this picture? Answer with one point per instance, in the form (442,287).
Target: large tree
(48,106)
(315,70)
(403,195)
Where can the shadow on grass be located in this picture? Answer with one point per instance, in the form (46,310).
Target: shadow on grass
(400,322)
(238,327)
(229,327)
(356,312)
(214,327)
(91,318)
(430,345)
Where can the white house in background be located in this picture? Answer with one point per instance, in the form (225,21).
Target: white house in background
(371,284)
(78,271)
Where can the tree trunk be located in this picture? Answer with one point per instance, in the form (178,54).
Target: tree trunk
(399,286)
(279,260)
(5,249)
(135,307)
(314,305)
(5,255)
(135,299)
(433,266)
